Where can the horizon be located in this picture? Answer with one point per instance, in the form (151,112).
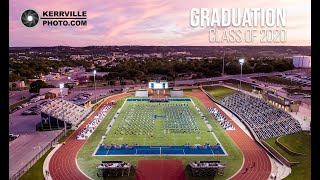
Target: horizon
(160,46)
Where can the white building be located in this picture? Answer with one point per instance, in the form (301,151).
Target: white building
(141,93)
(302,61)
(18,84)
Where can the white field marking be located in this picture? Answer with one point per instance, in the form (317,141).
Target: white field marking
(108,129)
(198,137)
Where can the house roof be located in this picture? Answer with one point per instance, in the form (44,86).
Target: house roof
(55,90)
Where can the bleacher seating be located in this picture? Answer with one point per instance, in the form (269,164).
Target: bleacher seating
(90,127)
(66,111)
(266,120)
(113,168)
(224,123)
(206,168)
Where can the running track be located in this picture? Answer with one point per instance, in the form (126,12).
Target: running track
(251,150)
(62,165)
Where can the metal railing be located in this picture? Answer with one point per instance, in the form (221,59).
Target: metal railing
(36,158)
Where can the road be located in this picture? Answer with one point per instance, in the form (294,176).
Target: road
(64,78)
(15,96)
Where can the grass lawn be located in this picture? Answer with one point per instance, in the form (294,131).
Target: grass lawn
(35,172)
(297,90)
(158,137)
(98,99)
(64,138)
(87,162)
(299,142)
(236,84)
(219,92)
(187,90)
(277,80)
(19,103)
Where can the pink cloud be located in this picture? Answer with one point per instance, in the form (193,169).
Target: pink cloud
(143,22)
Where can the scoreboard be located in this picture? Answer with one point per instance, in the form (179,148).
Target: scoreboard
(158,85)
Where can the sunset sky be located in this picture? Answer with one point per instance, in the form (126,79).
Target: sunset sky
(143,22)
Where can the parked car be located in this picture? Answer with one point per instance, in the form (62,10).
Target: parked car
(25,104)
(35,112)
(36,99)
(13,110)
(13,136)
(27,112)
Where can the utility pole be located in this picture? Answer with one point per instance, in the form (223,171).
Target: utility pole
(224,53)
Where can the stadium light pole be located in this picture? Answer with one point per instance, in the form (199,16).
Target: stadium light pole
(241,61)
(65,126)
(95,87)
(224,53)
(69,78)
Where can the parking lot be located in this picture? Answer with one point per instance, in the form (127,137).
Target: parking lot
(15,96)
(26,147)
(24,123)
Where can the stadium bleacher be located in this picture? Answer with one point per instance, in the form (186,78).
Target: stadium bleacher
(224,123)
(65,110)
(90,127)
(266,120)
(113,168)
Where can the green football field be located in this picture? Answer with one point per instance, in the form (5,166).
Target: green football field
(156,135)
(87,162)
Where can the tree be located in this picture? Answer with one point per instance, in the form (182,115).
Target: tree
(232,68)
(36,86)
(50,86)
(262,67)
(13,77)
(112,83)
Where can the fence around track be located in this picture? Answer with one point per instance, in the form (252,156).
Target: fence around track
(36,158)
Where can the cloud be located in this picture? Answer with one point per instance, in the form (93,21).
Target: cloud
(143,22)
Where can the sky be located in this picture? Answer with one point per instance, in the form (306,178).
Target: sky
(144,22)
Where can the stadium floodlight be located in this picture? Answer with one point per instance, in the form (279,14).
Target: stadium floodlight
(61,85)
(95,86)
(241,61)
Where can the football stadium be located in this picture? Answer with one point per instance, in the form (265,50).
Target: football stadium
(160,133)
(189,132)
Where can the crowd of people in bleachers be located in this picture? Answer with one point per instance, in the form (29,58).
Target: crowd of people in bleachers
(90,127)
(224,123)
(266,120)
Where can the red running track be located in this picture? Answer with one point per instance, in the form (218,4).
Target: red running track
(252,152)
(62,165)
